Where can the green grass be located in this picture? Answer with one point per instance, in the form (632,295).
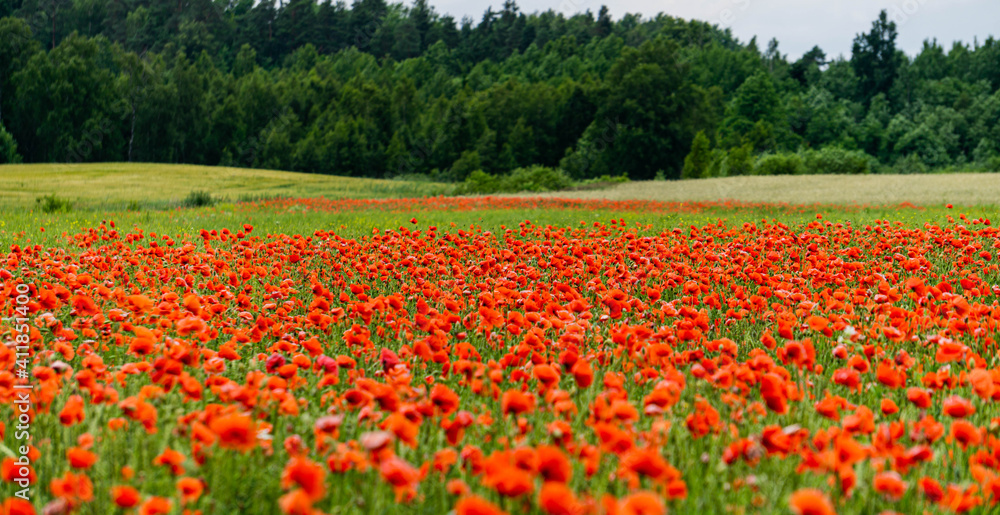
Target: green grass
(34,226)
(148,196)
(115,186)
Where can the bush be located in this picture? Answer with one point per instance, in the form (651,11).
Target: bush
(198,199)
(8,148)
(607,179)
(836,160)
(532,178)
(53,204)
(535,178)
(738,161)
(698,161)
(778,164)
(468,163)
(910,164)
(478,183)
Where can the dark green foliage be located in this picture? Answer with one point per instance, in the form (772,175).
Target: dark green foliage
(53,204)
(698,161)
(908,165)
(652,110)
(738,161)
(753,114)
(8,147)
(375,89)
(479,183)
(535,178)
(198,199)
(601,181)
(531,179)
(807,69)
(778,164)
(875,60)
(836,160)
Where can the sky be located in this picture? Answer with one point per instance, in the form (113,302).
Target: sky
(798,24)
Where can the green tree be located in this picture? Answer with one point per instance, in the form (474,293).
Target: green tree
(246,61)
(466,164)
(654,110)
(332,26)
(698,161)
(296,25)
(874,59)
(821,119)
(738,161)
(8,147)
(16,47)
(49,19)
(806,71)
(871,132)
(67,96)
(189,125)
(139,35)
(753,114)
(366,18)
(931,63)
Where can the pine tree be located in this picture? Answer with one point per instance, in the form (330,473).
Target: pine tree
(874,59)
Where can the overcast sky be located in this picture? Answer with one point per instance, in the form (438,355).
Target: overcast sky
(798,24)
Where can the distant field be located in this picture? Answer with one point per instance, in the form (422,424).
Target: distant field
(145,185)
(116,185)
(964,189)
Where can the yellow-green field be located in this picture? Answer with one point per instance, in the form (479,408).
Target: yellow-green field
(116,185)
(966,189)
(147,185)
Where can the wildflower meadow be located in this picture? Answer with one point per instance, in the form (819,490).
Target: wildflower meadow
(495,355)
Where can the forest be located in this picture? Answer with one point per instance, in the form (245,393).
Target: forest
(385,90)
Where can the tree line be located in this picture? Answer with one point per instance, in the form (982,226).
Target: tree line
(387,90)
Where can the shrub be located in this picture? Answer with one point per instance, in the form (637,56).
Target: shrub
(698,161)
(465,165)
(8,147)
(53,204)
(478,183)
(836,160)
(532,178)
(608,179)
(198,199)
(535,178)
(910,164)
(778,164)
(738,161)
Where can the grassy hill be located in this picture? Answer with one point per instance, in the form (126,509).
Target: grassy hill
(120,185)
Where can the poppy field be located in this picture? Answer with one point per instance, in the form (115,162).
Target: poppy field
(500,355)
